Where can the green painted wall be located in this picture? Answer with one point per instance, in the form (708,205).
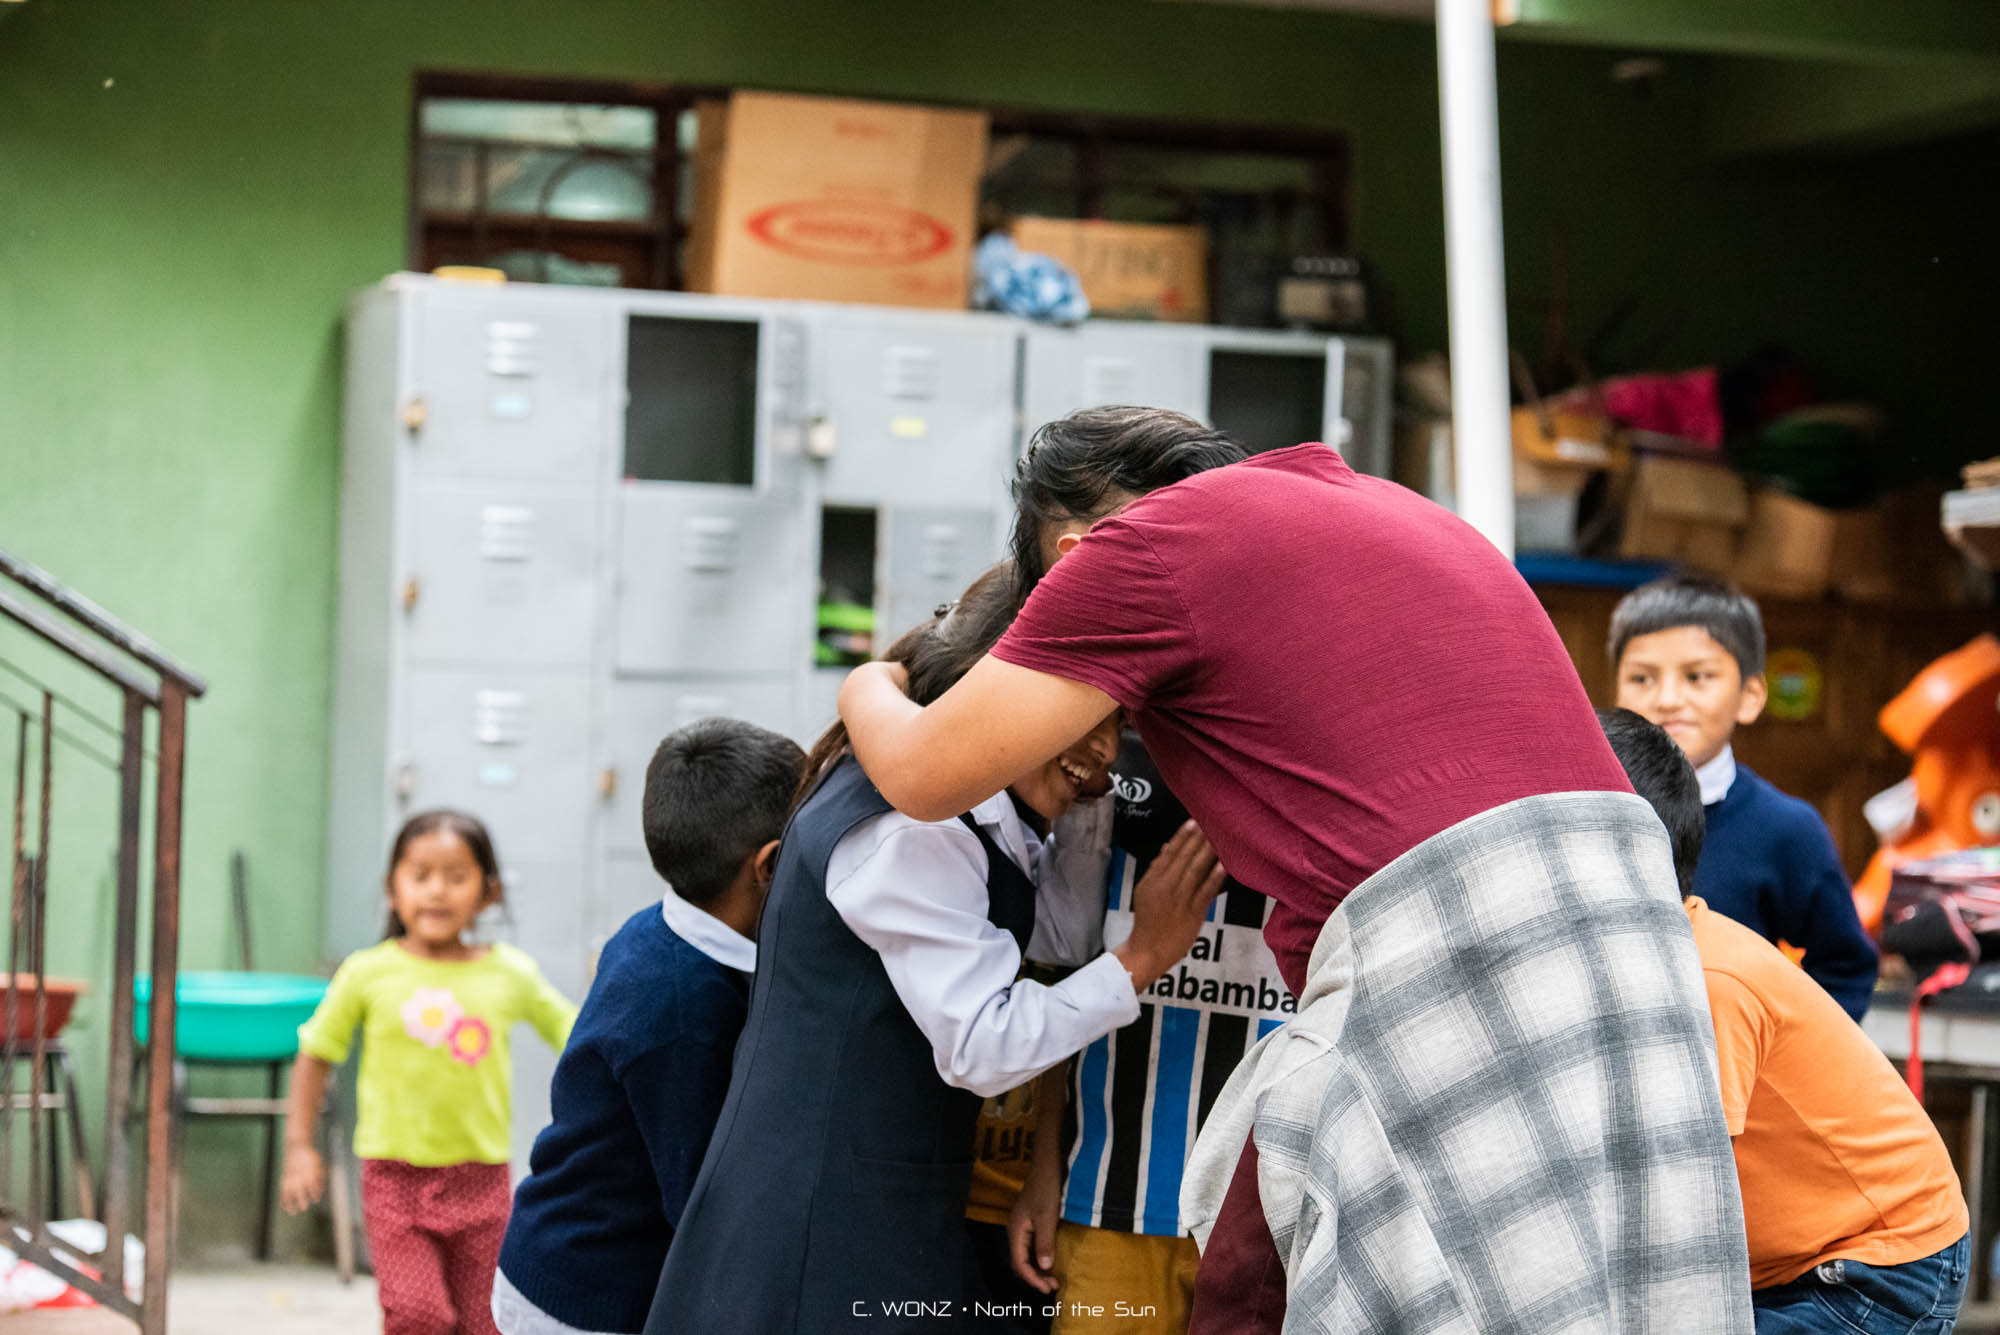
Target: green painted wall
(189,192)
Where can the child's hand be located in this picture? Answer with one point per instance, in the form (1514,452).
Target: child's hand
(1031,1227)
(1169,906)
(304,1181)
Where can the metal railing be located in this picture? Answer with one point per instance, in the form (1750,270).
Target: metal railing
(146,679)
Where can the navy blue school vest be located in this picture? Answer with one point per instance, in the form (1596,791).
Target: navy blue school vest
(833,1193)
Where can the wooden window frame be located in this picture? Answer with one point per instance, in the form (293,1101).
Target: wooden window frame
(1093,135)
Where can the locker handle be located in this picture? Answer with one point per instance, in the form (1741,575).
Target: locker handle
(607,783)
(406,781)
(413,590)
(415,413)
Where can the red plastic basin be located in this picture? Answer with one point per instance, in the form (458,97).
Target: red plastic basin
(61,994)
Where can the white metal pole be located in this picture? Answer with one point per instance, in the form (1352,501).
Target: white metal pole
(1476,275)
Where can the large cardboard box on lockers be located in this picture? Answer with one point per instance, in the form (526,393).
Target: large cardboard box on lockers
(833,199)
(1130,271)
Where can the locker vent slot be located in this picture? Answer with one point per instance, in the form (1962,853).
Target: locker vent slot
(506,533)
(499,718)
(943,548)
(1108,380)
(711,543)
(513,347)
(913,373)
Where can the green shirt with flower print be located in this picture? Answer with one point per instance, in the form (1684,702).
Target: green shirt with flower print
(436,1072)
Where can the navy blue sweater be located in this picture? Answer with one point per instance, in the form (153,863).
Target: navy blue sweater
(1769,863)
(639,1085)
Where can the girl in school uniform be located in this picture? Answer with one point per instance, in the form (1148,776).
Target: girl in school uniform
(885,1006)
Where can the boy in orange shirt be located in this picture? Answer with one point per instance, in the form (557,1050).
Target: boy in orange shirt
(1853,1211)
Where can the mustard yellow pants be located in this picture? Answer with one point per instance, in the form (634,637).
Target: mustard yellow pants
(1123,1283)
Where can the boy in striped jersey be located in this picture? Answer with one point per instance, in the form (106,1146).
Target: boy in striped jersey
(1135,1098)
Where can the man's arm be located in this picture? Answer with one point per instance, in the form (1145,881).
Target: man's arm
(996,724)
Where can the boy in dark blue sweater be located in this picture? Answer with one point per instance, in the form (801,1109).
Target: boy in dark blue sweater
(1689,654)
(641,1082)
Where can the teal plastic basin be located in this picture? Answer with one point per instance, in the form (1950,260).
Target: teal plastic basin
(235,1017)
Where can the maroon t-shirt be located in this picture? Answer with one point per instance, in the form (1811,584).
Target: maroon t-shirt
(1327,668)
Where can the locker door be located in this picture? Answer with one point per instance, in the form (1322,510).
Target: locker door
(512,748)
(928,557)
(499,572)
(711,579)
(1067,369)
(920,412)
(512,382)
(638,714)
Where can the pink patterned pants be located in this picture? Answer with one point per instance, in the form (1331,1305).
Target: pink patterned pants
(435,1235)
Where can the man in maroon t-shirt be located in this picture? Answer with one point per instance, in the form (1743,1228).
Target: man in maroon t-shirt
(1327,668)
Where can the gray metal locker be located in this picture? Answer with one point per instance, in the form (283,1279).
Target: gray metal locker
(710,579)
(637,714)
(500,572)
(513,748)
(1268,388)
(911,408)
(508,381)
(928,557)
(1112,362)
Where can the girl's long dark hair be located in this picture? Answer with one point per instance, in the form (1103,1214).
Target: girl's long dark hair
(936,654)
(470,829)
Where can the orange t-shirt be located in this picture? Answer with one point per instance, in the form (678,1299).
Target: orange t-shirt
(1835,1156)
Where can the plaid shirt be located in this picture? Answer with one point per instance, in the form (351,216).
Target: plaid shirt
(1498,1108)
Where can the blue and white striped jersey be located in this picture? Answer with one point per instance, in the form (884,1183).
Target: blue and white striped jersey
(1139,1094)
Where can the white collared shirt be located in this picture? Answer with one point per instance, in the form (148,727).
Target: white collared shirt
(1716,776)
(708,933)
(915,891)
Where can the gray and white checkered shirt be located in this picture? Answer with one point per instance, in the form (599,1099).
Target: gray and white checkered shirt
(1498,1110)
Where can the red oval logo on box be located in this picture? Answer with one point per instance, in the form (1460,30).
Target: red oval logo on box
(849,231)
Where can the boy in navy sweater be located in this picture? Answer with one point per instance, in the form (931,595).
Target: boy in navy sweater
(1689,654)
(641,1082)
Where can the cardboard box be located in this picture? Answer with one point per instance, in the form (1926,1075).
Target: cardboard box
(1788,547)
(1686,511)
(832,199)
(1894,553)
(1130,271)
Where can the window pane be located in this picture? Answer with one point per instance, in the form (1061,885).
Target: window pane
(519,179)
(557,124)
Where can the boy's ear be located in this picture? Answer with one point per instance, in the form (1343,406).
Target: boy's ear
(1067,544)
(765,863)
(1750,703)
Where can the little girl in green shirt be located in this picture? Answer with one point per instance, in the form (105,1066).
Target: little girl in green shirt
(433,1132)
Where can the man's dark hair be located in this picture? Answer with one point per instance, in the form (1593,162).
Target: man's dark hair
(1721,609)
(716,791)
(1074,463)
(1662,774)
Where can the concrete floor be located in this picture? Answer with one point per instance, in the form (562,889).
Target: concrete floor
(246,1299)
